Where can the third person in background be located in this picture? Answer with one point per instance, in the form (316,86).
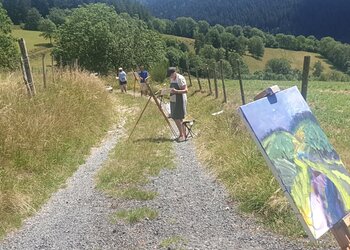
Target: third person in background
(144,75)
(122,80)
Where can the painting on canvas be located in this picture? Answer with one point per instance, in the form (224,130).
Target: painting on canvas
(301,158)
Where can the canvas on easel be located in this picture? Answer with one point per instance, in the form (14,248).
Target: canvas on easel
(301,158)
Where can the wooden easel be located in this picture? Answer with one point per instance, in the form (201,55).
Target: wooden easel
(152,96)
(342,234)
(135,80)
(269,91)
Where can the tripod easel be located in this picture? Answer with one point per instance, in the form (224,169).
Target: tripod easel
(152,96)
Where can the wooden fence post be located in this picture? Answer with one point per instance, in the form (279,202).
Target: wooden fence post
(61,66)
(240,81)
(76,65)
(29,91)
(44,70)
(52,69)
(209,83)
(199,82)
(26,66)
(341,233)
(216,83)
(305,76)
(189,74)
(223,81)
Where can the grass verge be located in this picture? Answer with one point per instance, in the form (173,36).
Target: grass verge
(136,215)
(145,154)
(44,139)
(174,242)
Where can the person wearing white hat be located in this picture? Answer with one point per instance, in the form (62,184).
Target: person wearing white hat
(178,100)
(122,80)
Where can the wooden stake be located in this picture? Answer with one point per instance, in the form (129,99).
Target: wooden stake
(61,66)
(135,81)
(216,83)
(44,70)
(25,79)
(223,81)
(189,74)
(199,82)
(209,83)
(26,66)
(342,235)
(305,76)
(240,81)
(52,69)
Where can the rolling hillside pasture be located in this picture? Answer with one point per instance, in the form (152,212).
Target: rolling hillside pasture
(296,59)
(188,41)
(33,39)
(36,46)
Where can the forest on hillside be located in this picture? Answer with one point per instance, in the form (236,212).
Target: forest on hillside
(17,9)
(140,34)
(320,18)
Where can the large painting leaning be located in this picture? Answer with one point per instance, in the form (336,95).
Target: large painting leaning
(301,158)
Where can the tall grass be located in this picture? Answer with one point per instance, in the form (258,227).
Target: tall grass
(44,139)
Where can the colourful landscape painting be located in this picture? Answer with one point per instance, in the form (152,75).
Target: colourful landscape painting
(299,154)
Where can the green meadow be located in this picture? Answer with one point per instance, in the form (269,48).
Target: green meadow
(36,46)
(295,58)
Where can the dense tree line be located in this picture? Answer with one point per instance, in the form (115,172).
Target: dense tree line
(212,43)
(299,17)
(18,9)
(246,39)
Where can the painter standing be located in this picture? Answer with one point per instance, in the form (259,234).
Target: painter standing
(178,100)
(122,80)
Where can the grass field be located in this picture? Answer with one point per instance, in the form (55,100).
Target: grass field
(188,41)
(36,46)
(33,39)
(296,59)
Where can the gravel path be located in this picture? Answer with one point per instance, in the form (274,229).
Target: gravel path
(193,213)
(75,217)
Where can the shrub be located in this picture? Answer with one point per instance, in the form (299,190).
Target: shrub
(278,66)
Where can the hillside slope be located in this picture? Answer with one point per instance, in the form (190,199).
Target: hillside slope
(296,59)
(300,17)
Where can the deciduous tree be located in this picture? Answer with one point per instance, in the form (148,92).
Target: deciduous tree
(48,28)
(8,50)
(102,40)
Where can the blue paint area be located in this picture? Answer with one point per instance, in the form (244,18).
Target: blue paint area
(267,116)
